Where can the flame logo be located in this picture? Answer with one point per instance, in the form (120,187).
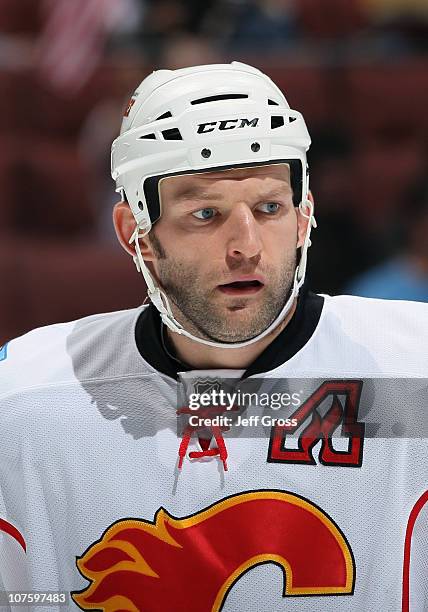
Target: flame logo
(192,563)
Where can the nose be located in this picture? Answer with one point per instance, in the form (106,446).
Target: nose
(244,241)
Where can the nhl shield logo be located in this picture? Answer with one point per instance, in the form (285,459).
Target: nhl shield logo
(207,385)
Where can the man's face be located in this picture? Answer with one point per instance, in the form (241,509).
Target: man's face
(224,249)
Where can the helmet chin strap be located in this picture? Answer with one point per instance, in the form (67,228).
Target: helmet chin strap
(160,299)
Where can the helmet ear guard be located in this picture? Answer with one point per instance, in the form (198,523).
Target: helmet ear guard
(192,121)
(301,268)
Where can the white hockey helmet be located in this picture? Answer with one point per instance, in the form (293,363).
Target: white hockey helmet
(199,119)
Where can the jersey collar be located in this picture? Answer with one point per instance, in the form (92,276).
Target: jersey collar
(155,347)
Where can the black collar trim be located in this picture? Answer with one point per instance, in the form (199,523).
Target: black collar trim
(160,354)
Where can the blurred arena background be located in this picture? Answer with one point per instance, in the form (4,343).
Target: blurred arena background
(356,69)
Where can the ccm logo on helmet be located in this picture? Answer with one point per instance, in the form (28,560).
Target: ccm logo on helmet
(226,124)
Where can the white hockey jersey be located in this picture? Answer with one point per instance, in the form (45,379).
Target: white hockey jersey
(93,504)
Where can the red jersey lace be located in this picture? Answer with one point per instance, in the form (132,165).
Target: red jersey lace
(217,433)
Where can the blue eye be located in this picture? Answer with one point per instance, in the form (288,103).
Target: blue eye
(204,213)
(271,207)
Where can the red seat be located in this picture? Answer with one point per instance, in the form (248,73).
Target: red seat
(381,179)
(60,115)
(23,17)
(48,282)
(51,192)
(12,120)
(13,309)
(330,18)
(66,281)
(388,102)
(305,88)
(8,157)
(56,115)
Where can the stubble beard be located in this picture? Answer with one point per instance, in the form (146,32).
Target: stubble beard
(202,315)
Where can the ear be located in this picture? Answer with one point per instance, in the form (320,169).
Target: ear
(124,225)
(302,221)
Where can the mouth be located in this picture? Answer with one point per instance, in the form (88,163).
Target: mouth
(242,287)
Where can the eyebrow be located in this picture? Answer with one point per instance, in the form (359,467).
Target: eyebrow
(196,192)
(276,192)
(200,194)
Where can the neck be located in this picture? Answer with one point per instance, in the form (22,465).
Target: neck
(202,357)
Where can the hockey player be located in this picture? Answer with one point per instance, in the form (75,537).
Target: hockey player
(103,506)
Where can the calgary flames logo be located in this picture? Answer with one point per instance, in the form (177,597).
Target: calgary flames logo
(190,564)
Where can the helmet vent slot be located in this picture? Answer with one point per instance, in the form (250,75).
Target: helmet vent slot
(276,121)
(148,137)
(164,116)
(272,103)
(172,134)
(230,96)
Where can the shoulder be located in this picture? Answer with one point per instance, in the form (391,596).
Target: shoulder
(48,355)
(391,332)
(407,317)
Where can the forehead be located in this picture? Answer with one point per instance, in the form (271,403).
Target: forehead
(269,174)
